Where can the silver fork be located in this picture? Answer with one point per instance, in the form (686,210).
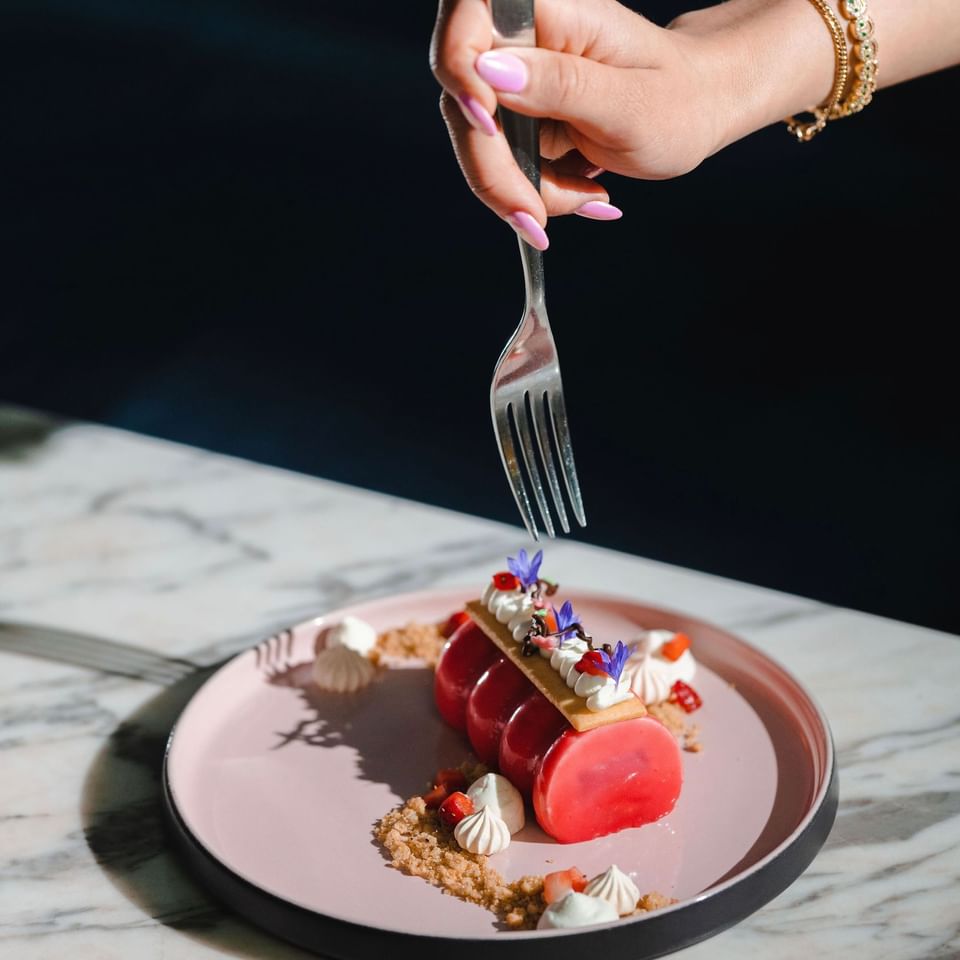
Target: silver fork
(526,395)
(94,653)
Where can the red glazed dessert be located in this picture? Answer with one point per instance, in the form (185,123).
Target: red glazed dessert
(563,717)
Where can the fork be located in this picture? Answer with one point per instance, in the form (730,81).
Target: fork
(526,395)
(95,653)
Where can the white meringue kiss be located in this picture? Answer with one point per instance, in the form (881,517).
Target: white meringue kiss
(616,888)
(342,670)
(482,832)
(351,632)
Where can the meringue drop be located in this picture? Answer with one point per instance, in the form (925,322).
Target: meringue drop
(482,832)
(351,632)
(342,670)
(576,910)
(504,799)
(616,888)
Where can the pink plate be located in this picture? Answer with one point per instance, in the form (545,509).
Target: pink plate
(273,789)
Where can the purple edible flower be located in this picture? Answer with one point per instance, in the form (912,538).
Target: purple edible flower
(565,617)
(527,571)
(613,663)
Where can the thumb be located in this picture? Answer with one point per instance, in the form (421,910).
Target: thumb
(562,86)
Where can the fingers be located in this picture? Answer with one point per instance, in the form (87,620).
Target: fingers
(595,98)
(463,31)
(493,176)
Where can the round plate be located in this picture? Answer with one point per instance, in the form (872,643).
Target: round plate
(273,788)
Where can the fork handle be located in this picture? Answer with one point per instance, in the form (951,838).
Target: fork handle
(513,26)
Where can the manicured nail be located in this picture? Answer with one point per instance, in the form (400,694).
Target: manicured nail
(503,71)
(592,172)
(529,229)
(476,115)
(598,210)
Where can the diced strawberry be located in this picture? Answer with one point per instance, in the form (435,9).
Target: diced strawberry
(591,663)
(451,779)
(505,581)
(683,694)
(673,649)
(457,806)
(456,621)
(558,884)
(434,797)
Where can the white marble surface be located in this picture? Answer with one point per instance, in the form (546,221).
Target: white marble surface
(194,554)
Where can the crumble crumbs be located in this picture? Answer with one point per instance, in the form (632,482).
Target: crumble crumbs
(674,718)
(421,846)
(654,901)
(415,641)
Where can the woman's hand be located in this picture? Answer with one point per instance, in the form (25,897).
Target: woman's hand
(616,93)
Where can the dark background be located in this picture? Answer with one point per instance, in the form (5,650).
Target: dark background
(239,225)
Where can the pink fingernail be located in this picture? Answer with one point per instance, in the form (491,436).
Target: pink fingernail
(477,115)
(529,229)
(598,210)
(503,71)
(592,172)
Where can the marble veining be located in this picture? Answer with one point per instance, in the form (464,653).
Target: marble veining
(194,555)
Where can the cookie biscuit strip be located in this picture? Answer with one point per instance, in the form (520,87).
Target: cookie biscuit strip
(538,671)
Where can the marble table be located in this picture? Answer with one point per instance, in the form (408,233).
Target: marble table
(193,554)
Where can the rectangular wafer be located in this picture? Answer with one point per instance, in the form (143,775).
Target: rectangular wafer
(538,671)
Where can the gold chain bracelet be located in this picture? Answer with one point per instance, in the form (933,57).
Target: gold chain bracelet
(865,50)
(828,110)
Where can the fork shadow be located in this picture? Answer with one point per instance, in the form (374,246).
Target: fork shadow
(123,823)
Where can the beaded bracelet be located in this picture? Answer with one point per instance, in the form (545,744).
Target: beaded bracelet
(807,131)
(865,50)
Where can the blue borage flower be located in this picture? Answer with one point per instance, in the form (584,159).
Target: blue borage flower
(565,617)
(527,571)
(613,663)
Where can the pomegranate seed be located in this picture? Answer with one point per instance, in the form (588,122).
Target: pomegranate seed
(683,694)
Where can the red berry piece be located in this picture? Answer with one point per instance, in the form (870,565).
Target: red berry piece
(685,696)
(558,884)
(673,649)
(505,581)
(591,662)
(433,798)
(456,621)
(457,806)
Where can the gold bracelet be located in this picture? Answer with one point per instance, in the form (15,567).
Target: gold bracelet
(807,131)
(865,50)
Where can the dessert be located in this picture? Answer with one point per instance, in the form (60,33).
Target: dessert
(583,731)
(563,717)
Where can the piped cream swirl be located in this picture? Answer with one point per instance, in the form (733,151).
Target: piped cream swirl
(483,832)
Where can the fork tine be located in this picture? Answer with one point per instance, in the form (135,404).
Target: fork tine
(530,459)
(508,455)
(561,433)
(546,455)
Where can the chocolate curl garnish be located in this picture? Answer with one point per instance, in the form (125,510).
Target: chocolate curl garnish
(539,629)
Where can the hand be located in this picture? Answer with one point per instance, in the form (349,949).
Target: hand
(616,93)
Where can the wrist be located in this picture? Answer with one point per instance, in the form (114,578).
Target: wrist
(761,60)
